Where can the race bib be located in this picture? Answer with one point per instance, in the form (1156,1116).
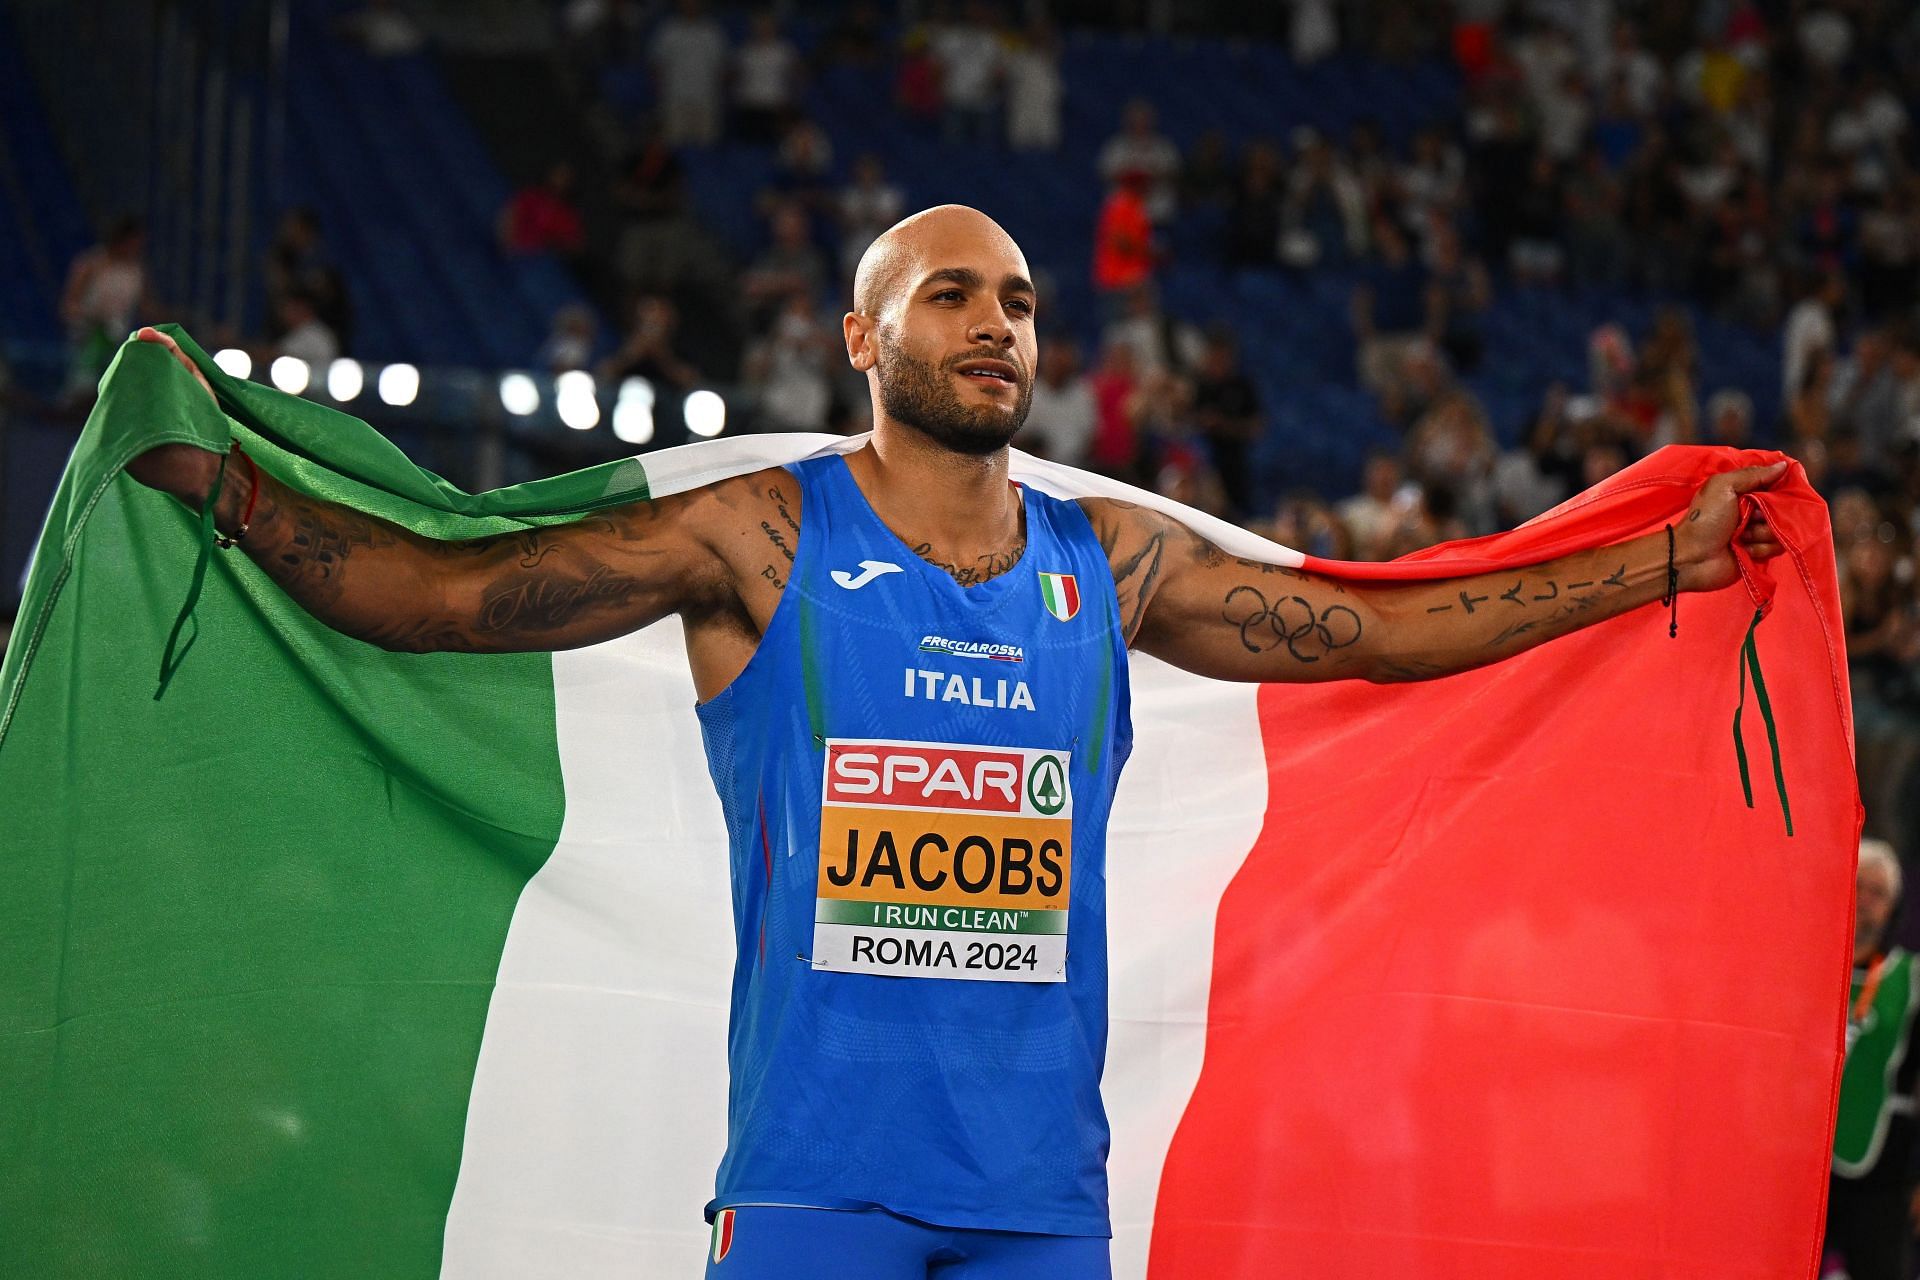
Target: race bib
(944,861)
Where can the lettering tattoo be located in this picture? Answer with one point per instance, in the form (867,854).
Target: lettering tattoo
(311,564)
(981,568)
(526,605)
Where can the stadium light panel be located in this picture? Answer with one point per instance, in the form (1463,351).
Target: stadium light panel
(633,412)
(345,380)
(290,374)
(574,400)
(399,384)
(234,362)
(518,394)
(705,413)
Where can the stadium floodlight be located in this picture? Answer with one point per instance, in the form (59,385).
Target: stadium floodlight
(705,413)
(518,394)
(399,384)
(290,374)
(574,400)
(633,412)
(345,379)
(234,362)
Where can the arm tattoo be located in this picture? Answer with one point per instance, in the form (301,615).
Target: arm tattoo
(311,564)
(524,604)
(1291,621)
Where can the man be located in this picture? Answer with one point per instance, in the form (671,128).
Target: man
(913,688)
(1870,1200)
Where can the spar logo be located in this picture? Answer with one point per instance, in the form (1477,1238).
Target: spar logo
(925,775)
(1047,785)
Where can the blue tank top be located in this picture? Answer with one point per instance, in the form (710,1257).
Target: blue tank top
(916,778)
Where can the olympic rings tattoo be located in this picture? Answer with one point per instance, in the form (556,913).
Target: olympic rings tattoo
(1290,621)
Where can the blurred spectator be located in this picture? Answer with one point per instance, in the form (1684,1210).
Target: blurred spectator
(1124,255)
(788,370)
(803,167)
(791,267)
(1810,327)
(1141,152)
(304,335)
(1389,314)
(1459,294)
(651,349)
(1326,208)
(1594,204)
(1206,173)
(1116,446)
(569,344)
(1870,1201)
(1226,409)
(1159,343)
(105,292)
(543,218)
(1433,180)
(1035,90)
(868,206)
(297,260)
(916,82)
(1061,420)
(688,57)
(383,30)
(1729,419)
(766,80)
(1450,447)
(1305,522)
(1536,255)
(1313,32)
(1256,214)
(1876,393)
(967,53)
(1371,515)
(659,247)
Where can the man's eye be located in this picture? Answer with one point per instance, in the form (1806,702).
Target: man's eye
(1021,305)
(946,293)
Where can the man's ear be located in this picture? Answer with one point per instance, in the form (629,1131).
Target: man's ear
(858,330)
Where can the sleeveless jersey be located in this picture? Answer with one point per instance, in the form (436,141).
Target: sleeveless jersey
(1876,1085)
(916,777)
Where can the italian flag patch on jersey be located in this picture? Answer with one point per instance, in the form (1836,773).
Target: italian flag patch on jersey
(1061,594)
(722,1234)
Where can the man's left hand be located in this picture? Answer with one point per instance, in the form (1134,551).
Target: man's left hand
(1703,540)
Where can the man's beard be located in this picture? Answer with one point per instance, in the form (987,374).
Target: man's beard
(922,396)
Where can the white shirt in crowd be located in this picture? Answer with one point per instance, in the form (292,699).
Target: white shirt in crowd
(312,341)
(1809,329)
(1034,93)
(1062,416)
(1153,155)
(969,59)
(764,73)
(689,56)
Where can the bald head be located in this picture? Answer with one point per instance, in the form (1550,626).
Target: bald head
(923,242)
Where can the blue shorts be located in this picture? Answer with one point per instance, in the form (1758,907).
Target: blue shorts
(778,1242)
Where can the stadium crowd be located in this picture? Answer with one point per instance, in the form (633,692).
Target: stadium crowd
(1751,162)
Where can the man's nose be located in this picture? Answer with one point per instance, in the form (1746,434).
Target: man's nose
(991,328)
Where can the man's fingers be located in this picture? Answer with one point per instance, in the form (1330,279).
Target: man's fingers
(1749,478)
(151,334)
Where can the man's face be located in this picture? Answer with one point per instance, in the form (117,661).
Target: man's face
(1873,901)
(955,351)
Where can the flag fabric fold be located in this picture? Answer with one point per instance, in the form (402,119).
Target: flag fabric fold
(336,962)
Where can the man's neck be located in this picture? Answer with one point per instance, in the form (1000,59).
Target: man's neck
(959,503)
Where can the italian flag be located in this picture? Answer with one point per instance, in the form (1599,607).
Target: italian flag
(335,962)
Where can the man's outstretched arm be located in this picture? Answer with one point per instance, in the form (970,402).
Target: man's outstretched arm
(553,588)
(1186,601)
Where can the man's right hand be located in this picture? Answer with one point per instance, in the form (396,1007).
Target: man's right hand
(186,471)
